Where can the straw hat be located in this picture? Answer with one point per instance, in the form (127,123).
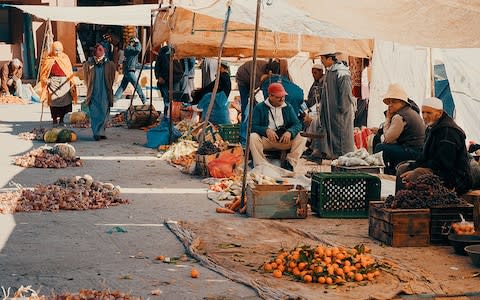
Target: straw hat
(395,91)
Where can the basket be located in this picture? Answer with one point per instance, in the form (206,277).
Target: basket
(343,195)
(230,132)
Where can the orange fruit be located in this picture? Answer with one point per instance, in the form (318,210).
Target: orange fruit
(281,268)
(296,271)
(347,263)
(292,264)
(301,266)
(376,273)
(328,253)
(328,280)
(339,272)
(307,278)
(279,261)
(194,273)
(321,279)
(277,274)
(274,265)
(358,277)
(267,267)
(160,257)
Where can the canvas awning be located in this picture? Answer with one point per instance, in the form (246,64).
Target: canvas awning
(138,15)
(194,28)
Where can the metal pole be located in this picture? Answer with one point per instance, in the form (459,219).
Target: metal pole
(250,104)
(431,69)
(150,56)
(170,94)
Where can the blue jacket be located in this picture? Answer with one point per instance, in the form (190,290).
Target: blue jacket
(260,118)
(131,57)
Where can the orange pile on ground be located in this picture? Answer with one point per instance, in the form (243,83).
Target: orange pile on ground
(325,265)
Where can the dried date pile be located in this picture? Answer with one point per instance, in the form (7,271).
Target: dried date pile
(208,148)
(75,193)
(44,157)
(427,191)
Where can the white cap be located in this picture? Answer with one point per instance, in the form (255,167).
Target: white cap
(317,66)
(433,102)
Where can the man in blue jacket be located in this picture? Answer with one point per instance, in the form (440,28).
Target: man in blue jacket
(129,69)
(276,126)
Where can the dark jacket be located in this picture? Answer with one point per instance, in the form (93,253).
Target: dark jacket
(131,52)
(260,119)
(162,66)
(224,85)
(445,154)
(413,134)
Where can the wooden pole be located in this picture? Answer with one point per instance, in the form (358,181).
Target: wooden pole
(250,103)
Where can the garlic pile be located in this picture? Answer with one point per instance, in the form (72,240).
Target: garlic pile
(47,157)
(34,134)
(74,193)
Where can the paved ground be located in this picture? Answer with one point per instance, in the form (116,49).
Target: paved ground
(71,250)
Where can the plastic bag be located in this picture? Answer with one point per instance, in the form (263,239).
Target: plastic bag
(224,165)
(463,227)
(158,136)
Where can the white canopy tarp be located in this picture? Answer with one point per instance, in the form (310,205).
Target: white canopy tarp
(428,23)
(138,15)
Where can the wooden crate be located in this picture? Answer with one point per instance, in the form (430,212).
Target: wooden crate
(399,227)
(276,202)
(473,197)
(441,219)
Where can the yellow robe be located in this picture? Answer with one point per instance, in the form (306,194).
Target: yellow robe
(66,66)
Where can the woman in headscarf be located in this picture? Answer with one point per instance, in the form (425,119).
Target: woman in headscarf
(99,73)
(56,79)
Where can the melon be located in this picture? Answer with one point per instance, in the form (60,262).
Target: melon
(66,135)
(64,150)
(51,135)
(78,117)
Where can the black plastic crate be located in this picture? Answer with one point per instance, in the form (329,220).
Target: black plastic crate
(344,195)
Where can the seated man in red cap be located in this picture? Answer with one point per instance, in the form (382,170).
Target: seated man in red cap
(444,153)
(276,126)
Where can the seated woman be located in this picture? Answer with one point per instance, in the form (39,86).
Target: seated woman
(224,85)
(403,131)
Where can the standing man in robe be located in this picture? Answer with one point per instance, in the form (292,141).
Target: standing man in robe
(337,110)
(99,73)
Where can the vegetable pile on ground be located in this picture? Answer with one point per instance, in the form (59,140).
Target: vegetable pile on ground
(75,193)
(9,99)
(34,134)
(425,192)
(27,293)
(58,156)
(324,265)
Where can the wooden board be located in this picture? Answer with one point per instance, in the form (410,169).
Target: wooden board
(473,197)
(441,219)
(399,227)
(276,202)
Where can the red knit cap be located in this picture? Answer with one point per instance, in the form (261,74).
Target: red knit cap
(277,90)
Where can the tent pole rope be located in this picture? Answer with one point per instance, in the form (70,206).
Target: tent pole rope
(250,104)
(217,79)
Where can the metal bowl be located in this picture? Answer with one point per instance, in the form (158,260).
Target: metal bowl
(474,253)
(459,242)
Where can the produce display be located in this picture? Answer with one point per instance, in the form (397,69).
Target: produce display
(10,99)
(359,157)
(207,148)
(75,193)
(179,149)
(426,191)
(59,156)
(335,265)
(27,293)
(184,160)
(60,135)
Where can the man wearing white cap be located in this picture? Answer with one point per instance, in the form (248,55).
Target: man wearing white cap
(403,131)
(337,109)
(444,153)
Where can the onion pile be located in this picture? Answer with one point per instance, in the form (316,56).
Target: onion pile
(34,134)
(74,193)
(9,99)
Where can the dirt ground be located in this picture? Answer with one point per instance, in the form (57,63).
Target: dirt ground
(71,250)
